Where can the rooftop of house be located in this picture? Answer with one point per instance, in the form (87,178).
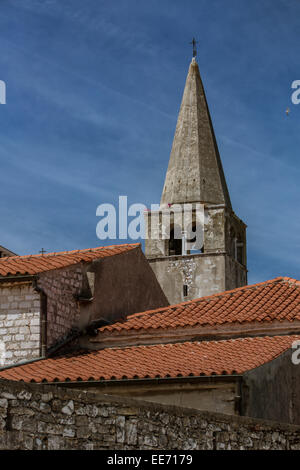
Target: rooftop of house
(185,359)
(34,264)
(274,300)
(6,252)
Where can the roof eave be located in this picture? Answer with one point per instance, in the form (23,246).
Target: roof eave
(18,278)
(208,378)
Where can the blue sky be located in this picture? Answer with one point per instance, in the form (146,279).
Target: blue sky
(93,93)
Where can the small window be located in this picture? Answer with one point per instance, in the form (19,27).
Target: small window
(240,252)
(185,290)
(175,244)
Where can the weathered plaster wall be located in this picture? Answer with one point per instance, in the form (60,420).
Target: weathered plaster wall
(204,395)
(108,288)
(202,273)
(214,230)
(273,390)
(123,284)
(19,322)
(45,417)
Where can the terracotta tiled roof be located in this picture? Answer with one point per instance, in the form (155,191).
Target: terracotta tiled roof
(33,264)
(233,356)
(277,299)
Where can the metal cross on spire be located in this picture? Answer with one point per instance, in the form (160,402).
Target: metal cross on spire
(194,42)
(42,251)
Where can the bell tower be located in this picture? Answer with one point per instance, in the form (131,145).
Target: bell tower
(195,178)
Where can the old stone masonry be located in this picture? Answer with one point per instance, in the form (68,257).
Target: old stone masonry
(46,417)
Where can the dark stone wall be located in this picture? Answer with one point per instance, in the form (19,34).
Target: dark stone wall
(272,391)
(124,284)
(63,311)
(47,417)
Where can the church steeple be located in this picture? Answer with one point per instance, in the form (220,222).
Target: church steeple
(185,269)
(195,172)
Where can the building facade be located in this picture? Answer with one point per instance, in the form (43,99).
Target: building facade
(48,300)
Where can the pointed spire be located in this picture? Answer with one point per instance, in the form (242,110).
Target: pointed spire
(195,172)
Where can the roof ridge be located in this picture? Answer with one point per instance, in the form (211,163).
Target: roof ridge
(84,352)
(38,263)
(211,296)
(292,280)
(167,345)
(66,252)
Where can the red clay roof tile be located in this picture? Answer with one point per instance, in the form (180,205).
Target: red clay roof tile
(34,264)
(277,299)
(162,360)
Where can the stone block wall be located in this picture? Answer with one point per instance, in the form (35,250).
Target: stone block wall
(63,311)
(19,323)
(20,316)
(48,417)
